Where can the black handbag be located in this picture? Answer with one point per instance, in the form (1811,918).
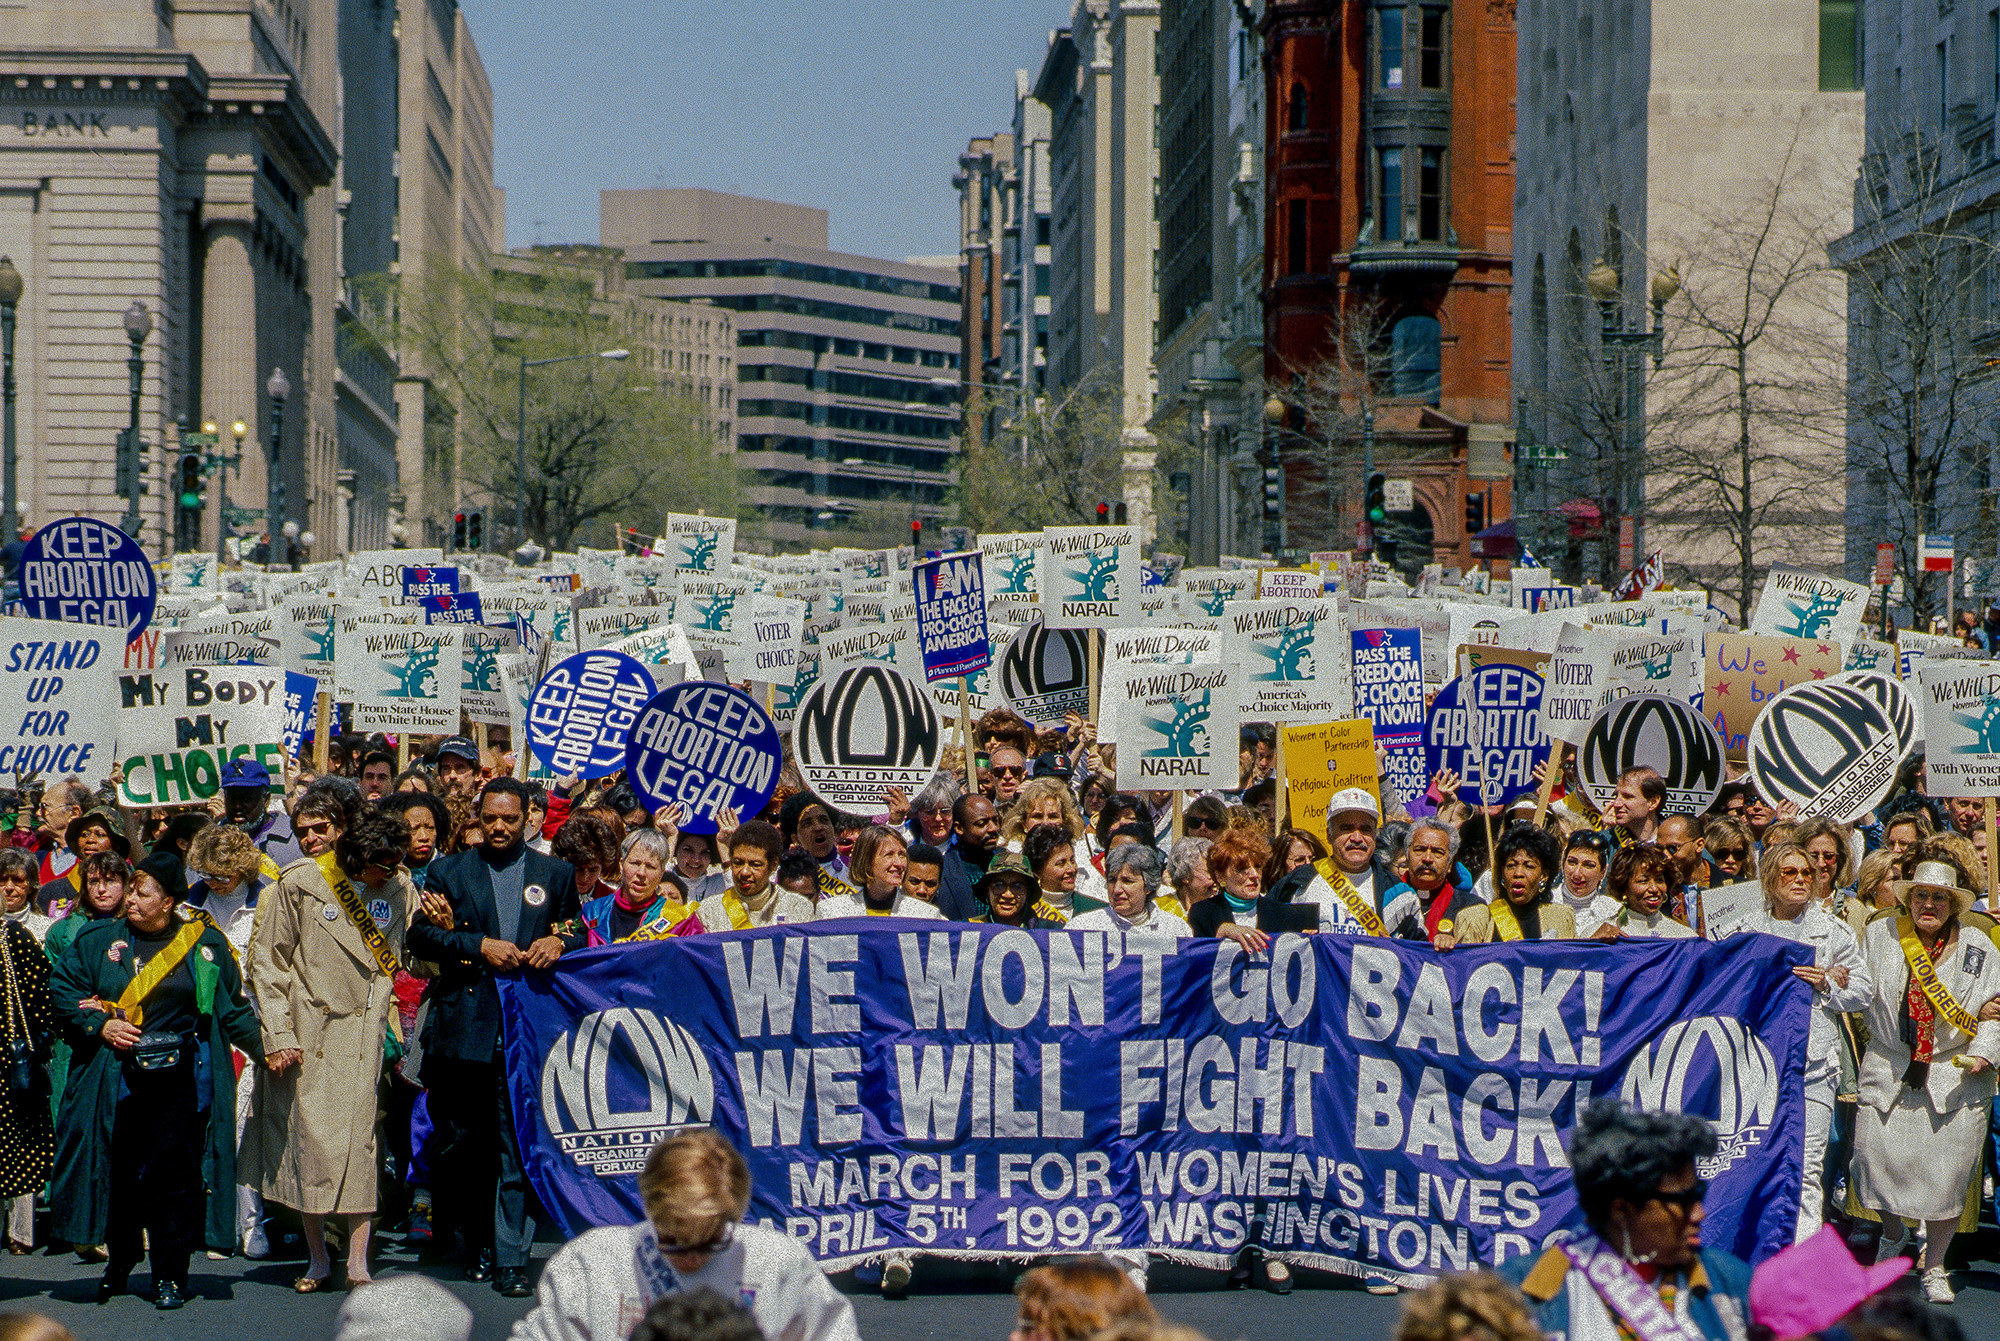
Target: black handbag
(157,1052)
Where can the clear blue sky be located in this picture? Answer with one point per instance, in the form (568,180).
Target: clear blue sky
(859,108)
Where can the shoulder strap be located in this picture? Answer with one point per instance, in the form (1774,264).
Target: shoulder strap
(1926,976)
(156,970)
(1343,888)
(350,902)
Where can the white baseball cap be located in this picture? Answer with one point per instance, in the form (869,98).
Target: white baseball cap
(1352,798)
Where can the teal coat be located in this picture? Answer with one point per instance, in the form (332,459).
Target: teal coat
(80,1192)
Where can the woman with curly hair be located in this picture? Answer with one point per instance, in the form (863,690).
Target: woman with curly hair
(1048,801)
(1475,1306)
(1527,860)
(1643,879)
(1073,1301)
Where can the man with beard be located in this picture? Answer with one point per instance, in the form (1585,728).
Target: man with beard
(246,803)
(506,904)
(1426,905)
(975,826)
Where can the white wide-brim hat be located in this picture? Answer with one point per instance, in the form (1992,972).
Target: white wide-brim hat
(1935,875)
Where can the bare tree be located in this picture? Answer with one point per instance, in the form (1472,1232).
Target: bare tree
(1051,464)
(606,442)
(1744,421)
(1922,397)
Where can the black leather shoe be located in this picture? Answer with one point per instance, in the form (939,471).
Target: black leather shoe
(512,1283)
(480,1268)
(111,1287)
(169,1295)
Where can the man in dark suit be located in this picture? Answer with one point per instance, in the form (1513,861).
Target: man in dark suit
(506,902)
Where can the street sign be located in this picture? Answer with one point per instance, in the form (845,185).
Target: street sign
(1885,564)
(198,439)
(1936,553)
(1397,495)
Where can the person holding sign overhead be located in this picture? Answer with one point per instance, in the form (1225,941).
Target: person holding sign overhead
(877,861)
(323,958)
(1927,1076)
(1840,982)
(153,1004)
(754,898)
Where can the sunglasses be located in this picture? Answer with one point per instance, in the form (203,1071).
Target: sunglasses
(1010,772)
(1201,822)
(1597,842)
(713,1246)
(1686,1199)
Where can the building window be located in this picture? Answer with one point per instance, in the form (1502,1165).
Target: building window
(1389,200)
(1430,194)
(1430,69)
(1944,83)
(1389,45)
(1415,358)
(1295,238)
(1299,109)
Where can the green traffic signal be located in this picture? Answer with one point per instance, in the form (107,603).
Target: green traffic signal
(190,501)
(1377,500)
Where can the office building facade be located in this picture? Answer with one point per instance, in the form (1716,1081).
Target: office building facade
(180,157)
(847,366)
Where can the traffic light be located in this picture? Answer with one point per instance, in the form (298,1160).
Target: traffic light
(188,481)
(130,450)
(916,535)
(1274,493)
(458,530)
(1103,514)
(1378,503)
(1475,513)
(475,531)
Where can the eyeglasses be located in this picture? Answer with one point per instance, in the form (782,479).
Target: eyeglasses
(313,828)
(1202,822)
(1687,1199)
(1597,842)
(1009,772)
(713,1246)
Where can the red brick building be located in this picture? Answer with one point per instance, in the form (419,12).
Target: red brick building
(1387,264)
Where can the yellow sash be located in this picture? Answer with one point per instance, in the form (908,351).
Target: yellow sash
(155,972)
(661,925)
(1505,924)
(349,899)
(1343,889)
(1925,974)
(1049,912)
(832,886)
(739,916)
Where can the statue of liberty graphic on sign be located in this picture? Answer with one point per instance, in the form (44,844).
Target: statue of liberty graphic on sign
(482,669)
(1017,571)
(413,672)
(1291,658)
(319,637)
(1810,618)
(715,612)
(1184,733)
(698,552)
(1097,580)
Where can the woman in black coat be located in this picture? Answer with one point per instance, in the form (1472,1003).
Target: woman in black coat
(150,1108)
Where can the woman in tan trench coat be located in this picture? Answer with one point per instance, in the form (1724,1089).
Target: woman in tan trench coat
(328,940)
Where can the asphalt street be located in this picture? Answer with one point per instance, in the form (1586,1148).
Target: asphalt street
(253,1301)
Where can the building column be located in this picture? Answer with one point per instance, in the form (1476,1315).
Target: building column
(228,387)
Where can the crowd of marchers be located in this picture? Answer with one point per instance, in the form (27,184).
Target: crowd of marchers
(275,1017)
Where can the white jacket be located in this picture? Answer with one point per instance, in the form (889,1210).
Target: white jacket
(853,905)
(590,1290)
(1971,973)
(1833,946)
(1157,922)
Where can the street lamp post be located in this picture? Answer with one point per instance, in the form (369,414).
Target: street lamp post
(131,473)
(11,289)
(521,430)
(1628,495)
(278,388)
